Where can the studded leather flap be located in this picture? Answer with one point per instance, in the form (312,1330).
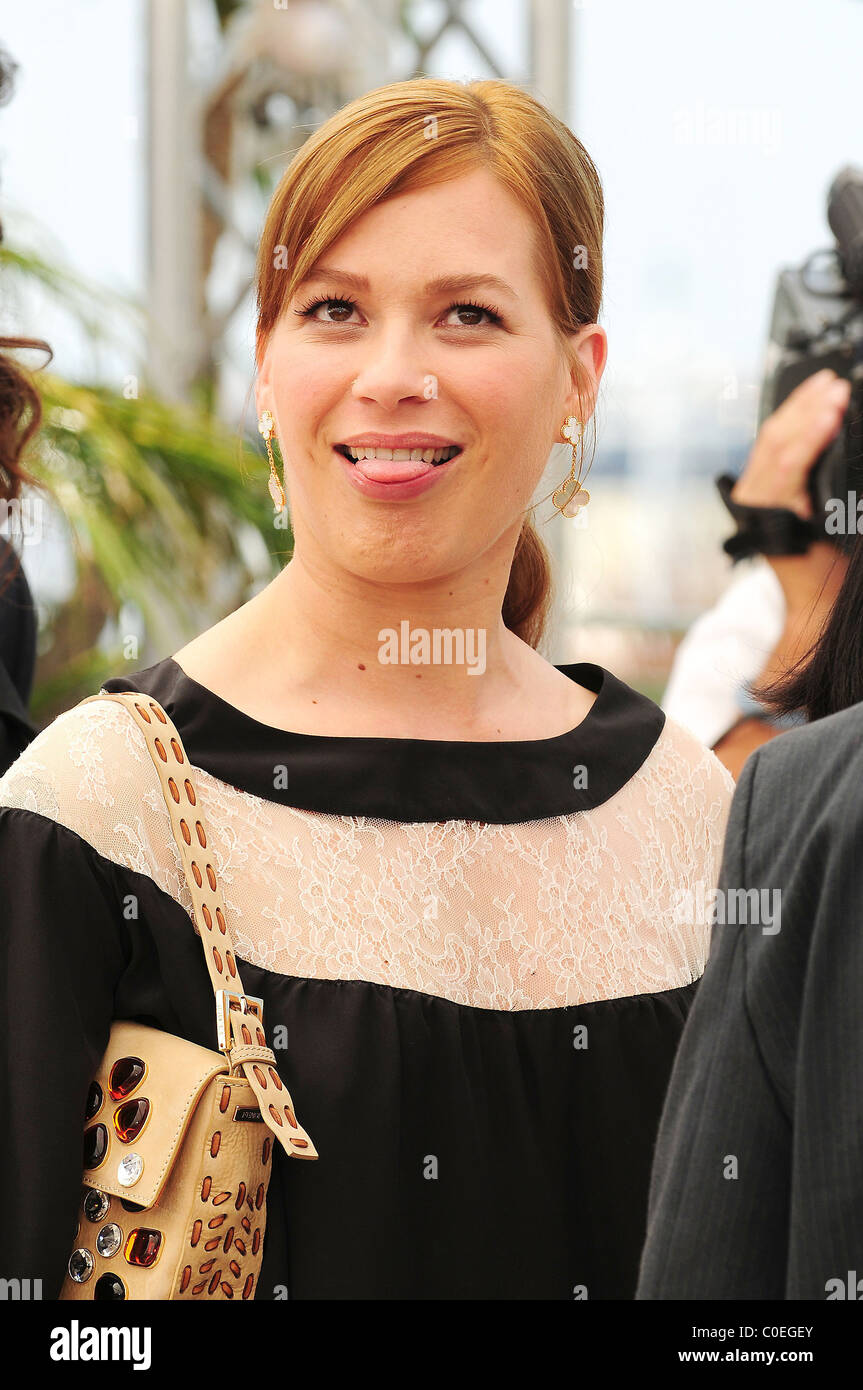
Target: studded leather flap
(139,1108)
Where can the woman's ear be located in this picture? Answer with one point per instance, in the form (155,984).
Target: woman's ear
(590,345)
(263,393)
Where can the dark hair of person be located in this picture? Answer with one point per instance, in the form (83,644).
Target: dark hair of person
(829,676)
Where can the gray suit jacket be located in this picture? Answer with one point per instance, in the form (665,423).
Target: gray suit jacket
(757,1184)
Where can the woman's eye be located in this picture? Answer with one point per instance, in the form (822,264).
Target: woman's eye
(339,311)
(471,315)
(343,308)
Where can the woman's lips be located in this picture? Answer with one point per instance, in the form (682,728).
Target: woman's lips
(393,478)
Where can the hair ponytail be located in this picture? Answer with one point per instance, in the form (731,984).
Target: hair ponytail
(528,593)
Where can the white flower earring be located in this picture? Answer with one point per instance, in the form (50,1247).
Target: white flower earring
(267,427)
(570,497)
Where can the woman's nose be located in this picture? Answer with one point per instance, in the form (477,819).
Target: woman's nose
(394,368)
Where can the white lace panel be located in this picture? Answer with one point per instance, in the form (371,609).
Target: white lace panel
(536,915)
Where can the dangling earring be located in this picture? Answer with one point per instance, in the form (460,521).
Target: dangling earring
(570,497)
(267,428)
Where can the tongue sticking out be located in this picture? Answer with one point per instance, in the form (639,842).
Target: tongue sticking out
(392,470)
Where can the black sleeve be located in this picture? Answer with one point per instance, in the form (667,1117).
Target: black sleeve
(17,656)
(11,744)
(63,952)
(719,1194)
(16,728)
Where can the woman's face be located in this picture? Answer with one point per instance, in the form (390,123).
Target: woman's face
(373,345)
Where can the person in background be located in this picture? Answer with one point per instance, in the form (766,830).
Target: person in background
(757,1182)
(20,414)
(17,612)
(771,616)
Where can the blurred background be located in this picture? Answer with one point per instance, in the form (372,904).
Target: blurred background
(138,152)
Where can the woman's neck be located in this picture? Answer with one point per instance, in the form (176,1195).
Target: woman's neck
(327,653)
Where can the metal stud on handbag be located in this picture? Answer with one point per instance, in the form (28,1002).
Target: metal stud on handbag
(177,1138)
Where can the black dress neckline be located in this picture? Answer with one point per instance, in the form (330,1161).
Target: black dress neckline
(410,779)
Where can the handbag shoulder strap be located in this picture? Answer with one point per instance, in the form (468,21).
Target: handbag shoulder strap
(239,1016)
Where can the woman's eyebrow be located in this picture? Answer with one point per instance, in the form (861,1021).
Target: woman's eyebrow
(442,284)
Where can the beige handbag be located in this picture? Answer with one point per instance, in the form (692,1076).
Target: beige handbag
(178,1139)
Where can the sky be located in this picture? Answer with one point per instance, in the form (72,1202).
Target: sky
(71,137)
(717,130)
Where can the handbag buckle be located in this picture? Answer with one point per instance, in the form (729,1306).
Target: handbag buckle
(226,999)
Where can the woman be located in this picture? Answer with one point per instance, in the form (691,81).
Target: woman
(452,882)
(757,1188)
(779,605)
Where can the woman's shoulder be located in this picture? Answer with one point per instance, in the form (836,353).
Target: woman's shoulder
(88,770)
(681,759)
(689,791)
(687,746)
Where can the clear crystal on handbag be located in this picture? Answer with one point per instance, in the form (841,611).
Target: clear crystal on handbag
(96,1204)
(109,1240)
(129,1169)
(80,1265)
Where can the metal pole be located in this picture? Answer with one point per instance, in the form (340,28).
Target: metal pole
(549,49)
(550,67)
(173,202)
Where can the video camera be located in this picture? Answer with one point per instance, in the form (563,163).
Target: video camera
(817,322)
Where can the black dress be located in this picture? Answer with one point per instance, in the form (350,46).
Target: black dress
(473,960)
